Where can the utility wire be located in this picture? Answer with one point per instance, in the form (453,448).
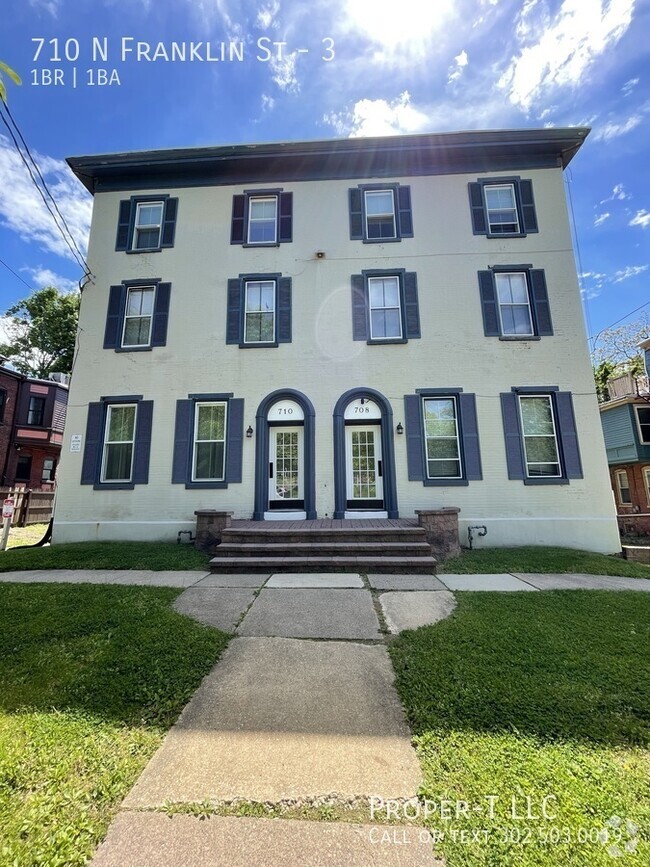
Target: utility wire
(44,183)
(636,310)
(2,262)
(80,261)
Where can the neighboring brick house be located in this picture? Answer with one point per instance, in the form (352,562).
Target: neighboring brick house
(32,417)
(336,329)
(625,418)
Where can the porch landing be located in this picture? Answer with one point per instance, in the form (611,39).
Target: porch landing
(381,545)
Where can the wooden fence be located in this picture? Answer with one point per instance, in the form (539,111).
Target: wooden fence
(30,507)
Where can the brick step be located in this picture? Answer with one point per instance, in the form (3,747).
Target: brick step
(323,549)
(385,565)
(317,535)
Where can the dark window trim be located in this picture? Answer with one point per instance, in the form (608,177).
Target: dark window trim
(453,481)
(141,443)
(116,315)
(279,193)
(635,408)
(188,454)
(516,181)
(400,273)
(279,338)
(125,245)
(538,302)
(400,231)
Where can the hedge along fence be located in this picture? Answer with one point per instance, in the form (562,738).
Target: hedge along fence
(30,507)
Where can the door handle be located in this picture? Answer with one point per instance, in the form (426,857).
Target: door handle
(379,469)
(271,470)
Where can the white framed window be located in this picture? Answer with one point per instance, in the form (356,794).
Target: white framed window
(380,214)
(501,209)
(646,482)
(623,487)
(514,303)
(148,225)
(262,219)
(643,423)
(385,308)
(209,451)
(138,315)
(49,465)
(119,438)
(441,440)
(542,457)
(259,311)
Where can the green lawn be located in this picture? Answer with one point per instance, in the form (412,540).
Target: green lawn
(541,559)
(92,677)
(533,695)
(29,535)
(105,555)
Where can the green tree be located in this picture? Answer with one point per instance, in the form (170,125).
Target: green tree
(42,332)
(616,351)
(12,75)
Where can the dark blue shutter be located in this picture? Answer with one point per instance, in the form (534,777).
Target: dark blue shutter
(284,310)
(160,315)
(568,435)
(142,448)
(479,223)
(235,444)
(405,213)
(528,214)
(123,226)
(182,442)
(238,229)
(286,217)
(356,214)
(169,223)
(469,431)
(489,304)
(414,437)
(92,446)
(540,302)
(359,308)
(411,307)
(114,317)
(234,313)
(512,434)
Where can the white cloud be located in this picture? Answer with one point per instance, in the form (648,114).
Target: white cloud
(641,218)
(629,271)
(40,277)
(629,86)
(266,16)
(456,69)
(600,219)
(23,211)
(378,117)
(618,194)
(581,31)
(284,72)
(268,103)
(612,130)
(51,6)
(401,30)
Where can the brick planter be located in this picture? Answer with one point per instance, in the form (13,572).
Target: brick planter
(441,527)
(210,524)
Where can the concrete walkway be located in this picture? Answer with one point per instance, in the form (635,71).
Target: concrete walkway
(300,710)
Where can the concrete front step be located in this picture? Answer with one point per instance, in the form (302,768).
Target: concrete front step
(344,563)
(324,549)
(266,534)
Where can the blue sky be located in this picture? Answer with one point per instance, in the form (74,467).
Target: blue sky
(367,67)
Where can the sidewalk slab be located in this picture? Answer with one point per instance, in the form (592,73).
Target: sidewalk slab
(221,607)
(306,613)
(576,581)
(405,582)
(140,839)
(484,582)
(280,719)
(144,577)
(315,580)
(237,580)
(410,610)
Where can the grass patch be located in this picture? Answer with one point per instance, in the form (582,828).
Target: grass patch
(29,535)
(533,558)
(157,556)
(522,695)
(92,677)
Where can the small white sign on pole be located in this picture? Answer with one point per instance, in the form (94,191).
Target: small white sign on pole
(8,508)
(75,442)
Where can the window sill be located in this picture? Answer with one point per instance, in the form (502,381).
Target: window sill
(144,250)
(113,486)
(506,235)
(264,244)
(513,338)
(259,345)
(543,481)
(388,341)
(206,485)
(133,349)
(445,483)
(381,240)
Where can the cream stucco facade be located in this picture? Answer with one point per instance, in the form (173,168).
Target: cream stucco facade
(322,361)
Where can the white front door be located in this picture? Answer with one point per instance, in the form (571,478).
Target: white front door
(365,485)
(286,462)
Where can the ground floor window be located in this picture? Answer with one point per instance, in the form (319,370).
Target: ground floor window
(623,487)
(208,463)
(117,463)
(24,468)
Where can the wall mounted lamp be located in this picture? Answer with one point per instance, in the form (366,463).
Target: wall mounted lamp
(399,429)
(249,432)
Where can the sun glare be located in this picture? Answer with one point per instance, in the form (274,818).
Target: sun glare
(391,23)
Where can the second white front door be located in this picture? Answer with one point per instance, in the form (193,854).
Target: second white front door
(364,471)
(286,483)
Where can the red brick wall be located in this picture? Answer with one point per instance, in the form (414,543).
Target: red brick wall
(38,455)
(9,384)
(633,518)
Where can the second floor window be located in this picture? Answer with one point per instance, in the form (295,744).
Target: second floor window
(137,316)
(385,308)
(514,304)
(259,324)
(36,411)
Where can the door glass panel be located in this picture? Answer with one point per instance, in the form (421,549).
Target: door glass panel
(286,465)
(364,478)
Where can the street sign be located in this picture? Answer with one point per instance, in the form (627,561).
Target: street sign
(8,508)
